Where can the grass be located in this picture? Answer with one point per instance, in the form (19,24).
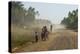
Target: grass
(60,40)
(20,36)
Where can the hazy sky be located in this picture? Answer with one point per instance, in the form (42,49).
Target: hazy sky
(51,11)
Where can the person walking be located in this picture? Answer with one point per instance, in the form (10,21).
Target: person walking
(43,33)
(36,36)
(51,28)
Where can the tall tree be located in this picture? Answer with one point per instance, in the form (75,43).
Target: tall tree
(31,14)
(22,16)
(17,12)
(72,20)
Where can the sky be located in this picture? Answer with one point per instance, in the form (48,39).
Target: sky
(51,11)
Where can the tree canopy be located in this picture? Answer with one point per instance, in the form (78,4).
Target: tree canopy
(72,20)
(20,15)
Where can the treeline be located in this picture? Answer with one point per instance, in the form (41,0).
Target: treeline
(71,21)
(20,15)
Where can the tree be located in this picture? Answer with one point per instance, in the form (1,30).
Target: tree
(22,16)
(17,12)
(72,20)
(30,16)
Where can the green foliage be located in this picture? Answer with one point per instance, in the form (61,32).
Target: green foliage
(72,20)
(17,12)
(19,15)
(30,15)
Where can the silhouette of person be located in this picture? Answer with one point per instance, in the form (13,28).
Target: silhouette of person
(36,36)
(51,27)
(43,33)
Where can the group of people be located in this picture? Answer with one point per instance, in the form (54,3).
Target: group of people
(44,34)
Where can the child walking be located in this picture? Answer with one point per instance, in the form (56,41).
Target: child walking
(36,36)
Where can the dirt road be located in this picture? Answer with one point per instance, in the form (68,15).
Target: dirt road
(58,40)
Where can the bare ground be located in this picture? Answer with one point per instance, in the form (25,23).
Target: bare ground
(58,40)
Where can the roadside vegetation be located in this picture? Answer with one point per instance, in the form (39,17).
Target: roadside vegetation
(71,21)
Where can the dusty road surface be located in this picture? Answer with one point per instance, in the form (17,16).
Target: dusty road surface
(58,40)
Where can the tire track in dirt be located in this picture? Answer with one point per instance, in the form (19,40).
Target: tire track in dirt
(64,39)
(39,46)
